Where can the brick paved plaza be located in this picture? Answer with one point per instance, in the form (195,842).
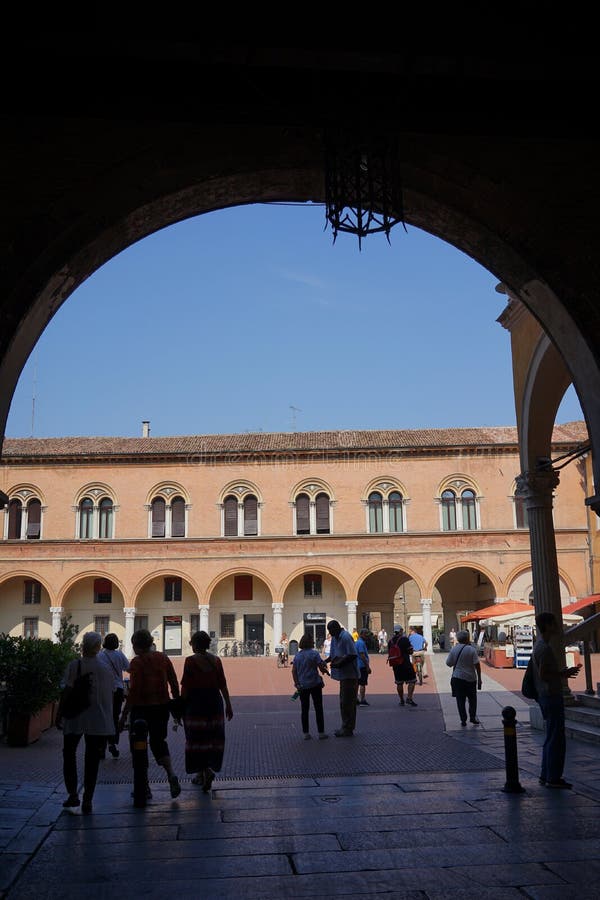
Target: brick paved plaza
(412,806)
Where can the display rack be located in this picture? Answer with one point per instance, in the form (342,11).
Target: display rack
(523,640)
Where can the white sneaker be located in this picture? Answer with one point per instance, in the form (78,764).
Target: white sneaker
(307,737)
(322,735)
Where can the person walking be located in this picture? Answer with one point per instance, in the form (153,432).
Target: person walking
(364,667)
(549,683)
(203,692)
(151,675)
(306,672)
(419,647)
(452,637)
(343,663)
(117,663)
(383,641)
(466,676)
(94,723)
(399,658)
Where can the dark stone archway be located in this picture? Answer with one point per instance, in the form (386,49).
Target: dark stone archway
(118,140)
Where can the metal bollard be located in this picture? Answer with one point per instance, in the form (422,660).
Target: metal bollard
(139,758)
(509,721)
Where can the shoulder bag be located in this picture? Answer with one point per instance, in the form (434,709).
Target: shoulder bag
(76,697)
(452,678)
(529,686)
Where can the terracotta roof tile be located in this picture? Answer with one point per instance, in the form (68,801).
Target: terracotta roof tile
(278,442)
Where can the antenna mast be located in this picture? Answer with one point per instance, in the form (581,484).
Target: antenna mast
(33,395)
(294,410)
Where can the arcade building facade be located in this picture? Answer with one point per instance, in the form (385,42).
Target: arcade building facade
(248,536)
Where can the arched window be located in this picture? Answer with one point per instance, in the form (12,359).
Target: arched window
(469,513)
(302,514)
(312,510)
(395,507)
(322,513)
(230,508)
(448,511)
(521,519)
(250,515)
(375,513)
(177,517)
(86,518)
(34,520)
(15,519)
(159,515)
(105,524)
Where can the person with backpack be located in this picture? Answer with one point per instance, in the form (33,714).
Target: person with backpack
(94,721)
(399,658)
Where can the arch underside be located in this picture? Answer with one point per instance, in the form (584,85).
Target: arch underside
(154,156)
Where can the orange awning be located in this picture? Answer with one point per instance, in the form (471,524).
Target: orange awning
(498,609)
(581,604)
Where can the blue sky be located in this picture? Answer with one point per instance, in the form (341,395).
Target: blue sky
(222,323)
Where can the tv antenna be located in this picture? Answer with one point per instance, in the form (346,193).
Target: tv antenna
(294,410)
(33,395)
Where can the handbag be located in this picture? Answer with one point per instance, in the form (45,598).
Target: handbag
(75,698)
(529,686)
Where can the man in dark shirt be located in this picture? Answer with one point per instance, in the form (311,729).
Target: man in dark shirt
(344,668)
(549,683)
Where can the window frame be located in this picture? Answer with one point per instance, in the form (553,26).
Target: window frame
(36,627)
(313,585)
(227,619)
(33,596)
(100,596)
(173,589)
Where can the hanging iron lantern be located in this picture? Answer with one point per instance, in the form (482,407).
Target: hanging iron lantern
(363,190)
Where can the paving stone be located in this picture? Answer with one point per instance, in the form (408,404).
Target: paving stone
(28,839)
(412,837)
(12,865)
(86,869)
(515,875)
(99,836)
(572,874)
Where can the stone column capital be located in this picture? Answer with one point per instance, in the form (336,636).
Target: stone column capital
(352,604)
(277,606)
(426,602)
(56,610)
(130,612)
(537,487)
(202,606)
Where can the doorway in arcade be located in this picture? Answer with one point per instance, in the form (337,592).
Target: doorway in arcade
(254,633)
(315,625)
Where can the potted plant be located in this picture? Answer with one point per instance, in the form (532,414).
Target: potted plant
(31,670)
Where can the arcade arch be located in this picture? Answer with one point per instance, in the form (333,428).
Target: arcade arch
(464,588)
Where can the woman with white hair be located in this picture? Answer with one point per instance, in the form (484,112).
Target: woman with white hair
(94,723)
(463,659)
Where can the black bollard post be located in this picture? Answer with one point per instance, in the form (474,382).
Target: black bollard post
(509,721)
(139,758)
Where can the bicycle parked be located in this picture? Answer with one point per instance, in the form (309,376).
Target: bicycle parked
(282,656)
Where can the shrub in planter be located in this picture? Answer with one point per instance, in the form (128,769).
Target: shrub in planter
(31,670)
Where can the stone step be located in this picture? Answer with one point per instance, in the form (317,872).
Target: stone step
(580,732)
(589,716)
(589,700)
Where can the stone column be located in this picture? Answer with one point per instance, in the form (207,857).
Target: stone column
(537,489)
(351,606)
(129,625)
(277,622)
(203,609)
(56,613)
(427,633)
